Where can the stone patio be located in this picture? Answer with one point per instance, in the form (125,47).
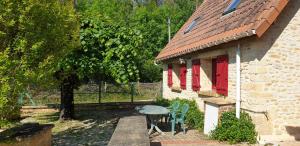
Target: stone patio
(95,127)
(191,138)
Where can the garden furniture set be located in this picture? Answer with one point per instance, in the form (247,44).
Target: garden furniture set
(173,114)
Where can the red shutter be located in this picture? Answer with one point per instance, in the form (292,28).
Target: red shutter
(196,75)
(222,75)
(183,76)
(213,73)
(170,81)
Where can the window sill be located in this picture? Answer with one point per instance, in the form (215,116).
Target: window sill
(176,89)
(219,101)
(209,93)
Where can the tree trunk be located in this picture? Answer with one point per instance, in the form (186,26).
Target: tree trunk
(67,99)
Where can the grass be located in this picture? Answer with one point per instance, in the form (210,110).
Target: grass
(112,97)
(91,127)
(92,98)
(89,93)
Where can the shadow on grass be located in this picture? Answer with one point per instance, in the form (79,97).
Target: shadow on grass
(48,118)
(91,127)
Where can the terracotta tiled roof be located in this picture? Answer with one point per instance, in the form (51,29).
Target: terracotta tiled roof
(252,17)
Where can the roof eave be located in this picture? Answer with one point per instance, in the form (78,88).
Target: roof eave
(258,29)
(207,45)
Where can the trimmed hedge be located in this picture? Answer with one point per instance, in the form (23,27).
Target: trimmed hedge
(235,130)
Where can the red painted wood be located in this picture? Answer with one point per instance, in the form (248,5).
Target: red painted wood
(170,80)
(214,78)
(196,75)
(222,75)
(183,71)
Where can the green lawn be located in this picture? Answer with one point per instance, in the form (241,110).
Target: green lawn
(92,98)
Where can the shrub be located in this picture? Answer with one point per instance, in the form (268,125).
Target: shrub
(162,102)
(194,117)
(235,130)
(4,124)
(9,112)
(9,108)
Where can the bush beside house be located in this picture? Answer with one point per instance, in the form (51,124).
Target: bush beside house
(235,130)
(194,117)
(230,128)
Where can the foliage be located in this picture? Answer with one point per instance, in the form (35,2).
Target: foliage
(151,20)
(4,124)
(34,35)
(107,49)
(146,17)
(162,102)
(235,130)
(194,117)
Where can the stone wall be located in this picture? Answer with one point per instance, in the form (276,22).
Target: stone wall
(206,74)
(205,79)
(270,76)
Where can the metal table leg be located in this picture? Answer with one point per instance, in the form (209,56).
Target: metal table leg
(153,120)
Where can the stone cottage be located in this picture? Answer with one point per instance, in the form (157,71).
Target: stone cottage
(243,53)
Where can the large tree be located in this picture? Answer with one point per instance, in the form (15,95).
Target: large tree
(119,40)
(108,52)
(34,35)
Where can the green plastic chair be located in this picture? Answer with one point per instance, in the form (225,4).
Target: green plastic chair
(23,95)
(180,119)
(173,109)
(174,106)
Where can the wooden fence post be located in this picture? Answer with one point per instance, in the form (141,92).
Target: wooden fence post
(100,94)
(131,91)
(161,89)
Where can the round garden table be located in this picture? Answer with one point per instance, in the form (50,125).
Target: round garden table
(154,113)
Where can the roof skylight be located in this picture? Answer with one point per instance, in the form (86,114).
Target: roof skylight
(232,7)
(192,25)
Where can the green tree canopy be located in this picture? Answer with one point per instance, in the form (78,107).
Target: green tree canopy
(107,50)
(149,18)
(34,35)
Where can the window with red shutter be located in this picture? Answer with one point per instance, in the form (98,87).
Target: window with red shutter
(170,81)
(222,75)
(183,71)
(213,73)
(196,75)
